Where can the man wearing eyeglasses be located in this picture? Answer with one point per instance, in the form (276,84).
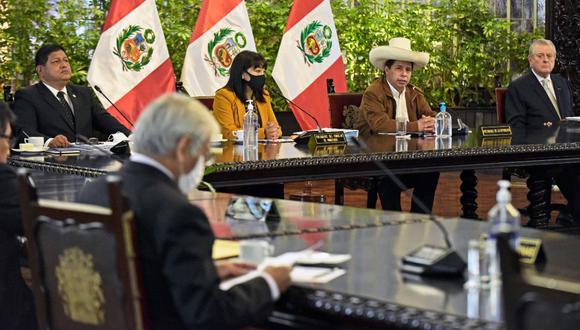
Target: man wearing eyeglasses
(542,99)
(16,303)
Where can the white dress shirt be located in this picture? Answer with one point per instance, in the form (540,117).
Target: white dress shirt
(55,91)
(400,101)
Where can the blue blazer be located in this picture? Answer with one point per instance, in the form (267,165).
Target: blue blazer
(528,105)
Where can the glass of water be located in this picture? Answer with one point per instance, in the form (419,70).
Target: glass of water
(401,126)
(478,265)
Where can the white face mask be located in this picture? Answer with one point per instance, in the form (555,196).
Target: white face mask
(188,182)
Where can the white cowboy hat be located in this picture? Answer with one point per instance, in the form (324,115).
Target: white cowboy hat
(398,49)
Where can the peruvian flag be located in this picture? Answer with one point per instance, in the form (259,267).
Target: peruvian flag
(222,31)
(309,54)
(131,63)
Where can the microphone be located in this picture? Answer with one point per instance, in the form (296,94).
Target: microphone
(299,108)
(427,259)
(304,137)
(98,89)
(121,148)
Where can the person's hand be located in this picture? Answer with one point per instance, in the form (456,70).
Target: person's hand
(228,269)
(59,141)
(281,276)
(272,131)
(426,124)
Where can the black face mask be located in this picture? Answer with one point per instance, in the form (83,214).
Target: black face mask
(256,83)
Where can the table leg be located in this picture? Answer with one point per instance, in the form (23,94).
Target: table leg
(469,194)
(538,208)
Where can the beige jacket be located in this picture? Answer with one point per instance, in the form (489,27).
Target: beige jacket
(378,108)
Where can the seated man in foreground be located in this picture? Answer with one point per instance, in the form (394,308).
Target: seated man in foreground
(541,99)
(173,237)
(56,109)
(389,97)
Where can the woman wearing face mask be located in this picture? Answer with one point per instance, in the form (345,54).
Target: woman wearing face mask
(246,83)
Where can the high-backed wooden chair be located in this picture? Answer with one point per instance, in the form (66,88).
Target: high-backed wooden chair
(342,115)
(206,100)
(499,104)
(82,260)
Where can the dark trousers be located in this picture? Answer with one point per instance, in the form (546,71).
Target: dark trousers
(567,180)
(424,185)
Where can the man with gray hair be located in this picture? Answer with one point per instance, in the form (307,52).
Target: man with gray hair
(541,99)
(174,238)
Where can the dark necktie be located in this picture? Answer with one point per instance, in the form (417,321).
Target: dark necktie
(67,111)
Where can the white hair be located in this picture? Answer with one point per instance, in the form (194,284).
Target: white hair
(543,42)
(169,118)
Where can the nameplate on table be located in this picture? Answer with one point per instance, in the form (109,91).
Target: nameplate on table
(530,250)
(327,138)
(495,130)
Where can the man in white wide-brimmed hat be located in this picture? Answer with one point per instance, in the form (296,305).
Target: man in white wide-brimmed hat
(390,97)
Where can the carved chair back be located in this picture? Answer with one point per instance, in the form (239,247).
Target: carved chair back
(82,260)
(338,102)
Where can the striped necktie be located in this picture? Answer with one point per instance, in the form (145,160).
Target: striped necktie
(68,114)
(546,83)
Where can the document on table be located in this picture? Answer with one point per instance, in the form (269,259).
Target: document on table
(310,267)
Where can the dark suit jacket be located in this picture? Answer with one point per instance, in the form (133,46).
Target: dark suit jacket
(39,113)
(528,105)
(174,243)
(16,302)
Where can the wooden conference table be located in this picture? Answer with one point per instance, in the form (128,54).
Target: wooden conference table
(373,293)
(536,150)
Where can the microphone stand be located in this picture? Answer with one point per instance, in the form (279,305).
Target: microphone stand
(449,262)
(304,137)
(98,89)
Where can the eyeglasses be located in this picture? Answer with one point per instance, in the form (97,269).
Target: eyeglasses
(542,56)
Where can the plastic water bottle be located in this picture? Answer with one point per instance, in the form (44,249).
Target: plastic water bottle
(503,218)
(250,127)
(443,122)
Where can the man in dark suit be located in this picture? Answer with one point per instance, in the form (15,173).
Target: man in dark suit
(57,110)
(174,237)
(16,302)
(539,99)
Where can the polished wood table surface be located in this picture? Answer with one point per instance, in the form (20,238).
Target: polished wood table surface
(534,149)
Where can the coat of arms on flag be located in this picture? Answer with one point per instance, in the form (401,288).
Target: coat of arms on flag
(315,42)
(133,47)
(221,32)
(309,50)
(222,49)
(131,63)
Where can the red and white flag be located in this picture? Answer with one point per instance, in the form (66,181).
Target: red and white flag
(309,54)
(222,31)
(131,63)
